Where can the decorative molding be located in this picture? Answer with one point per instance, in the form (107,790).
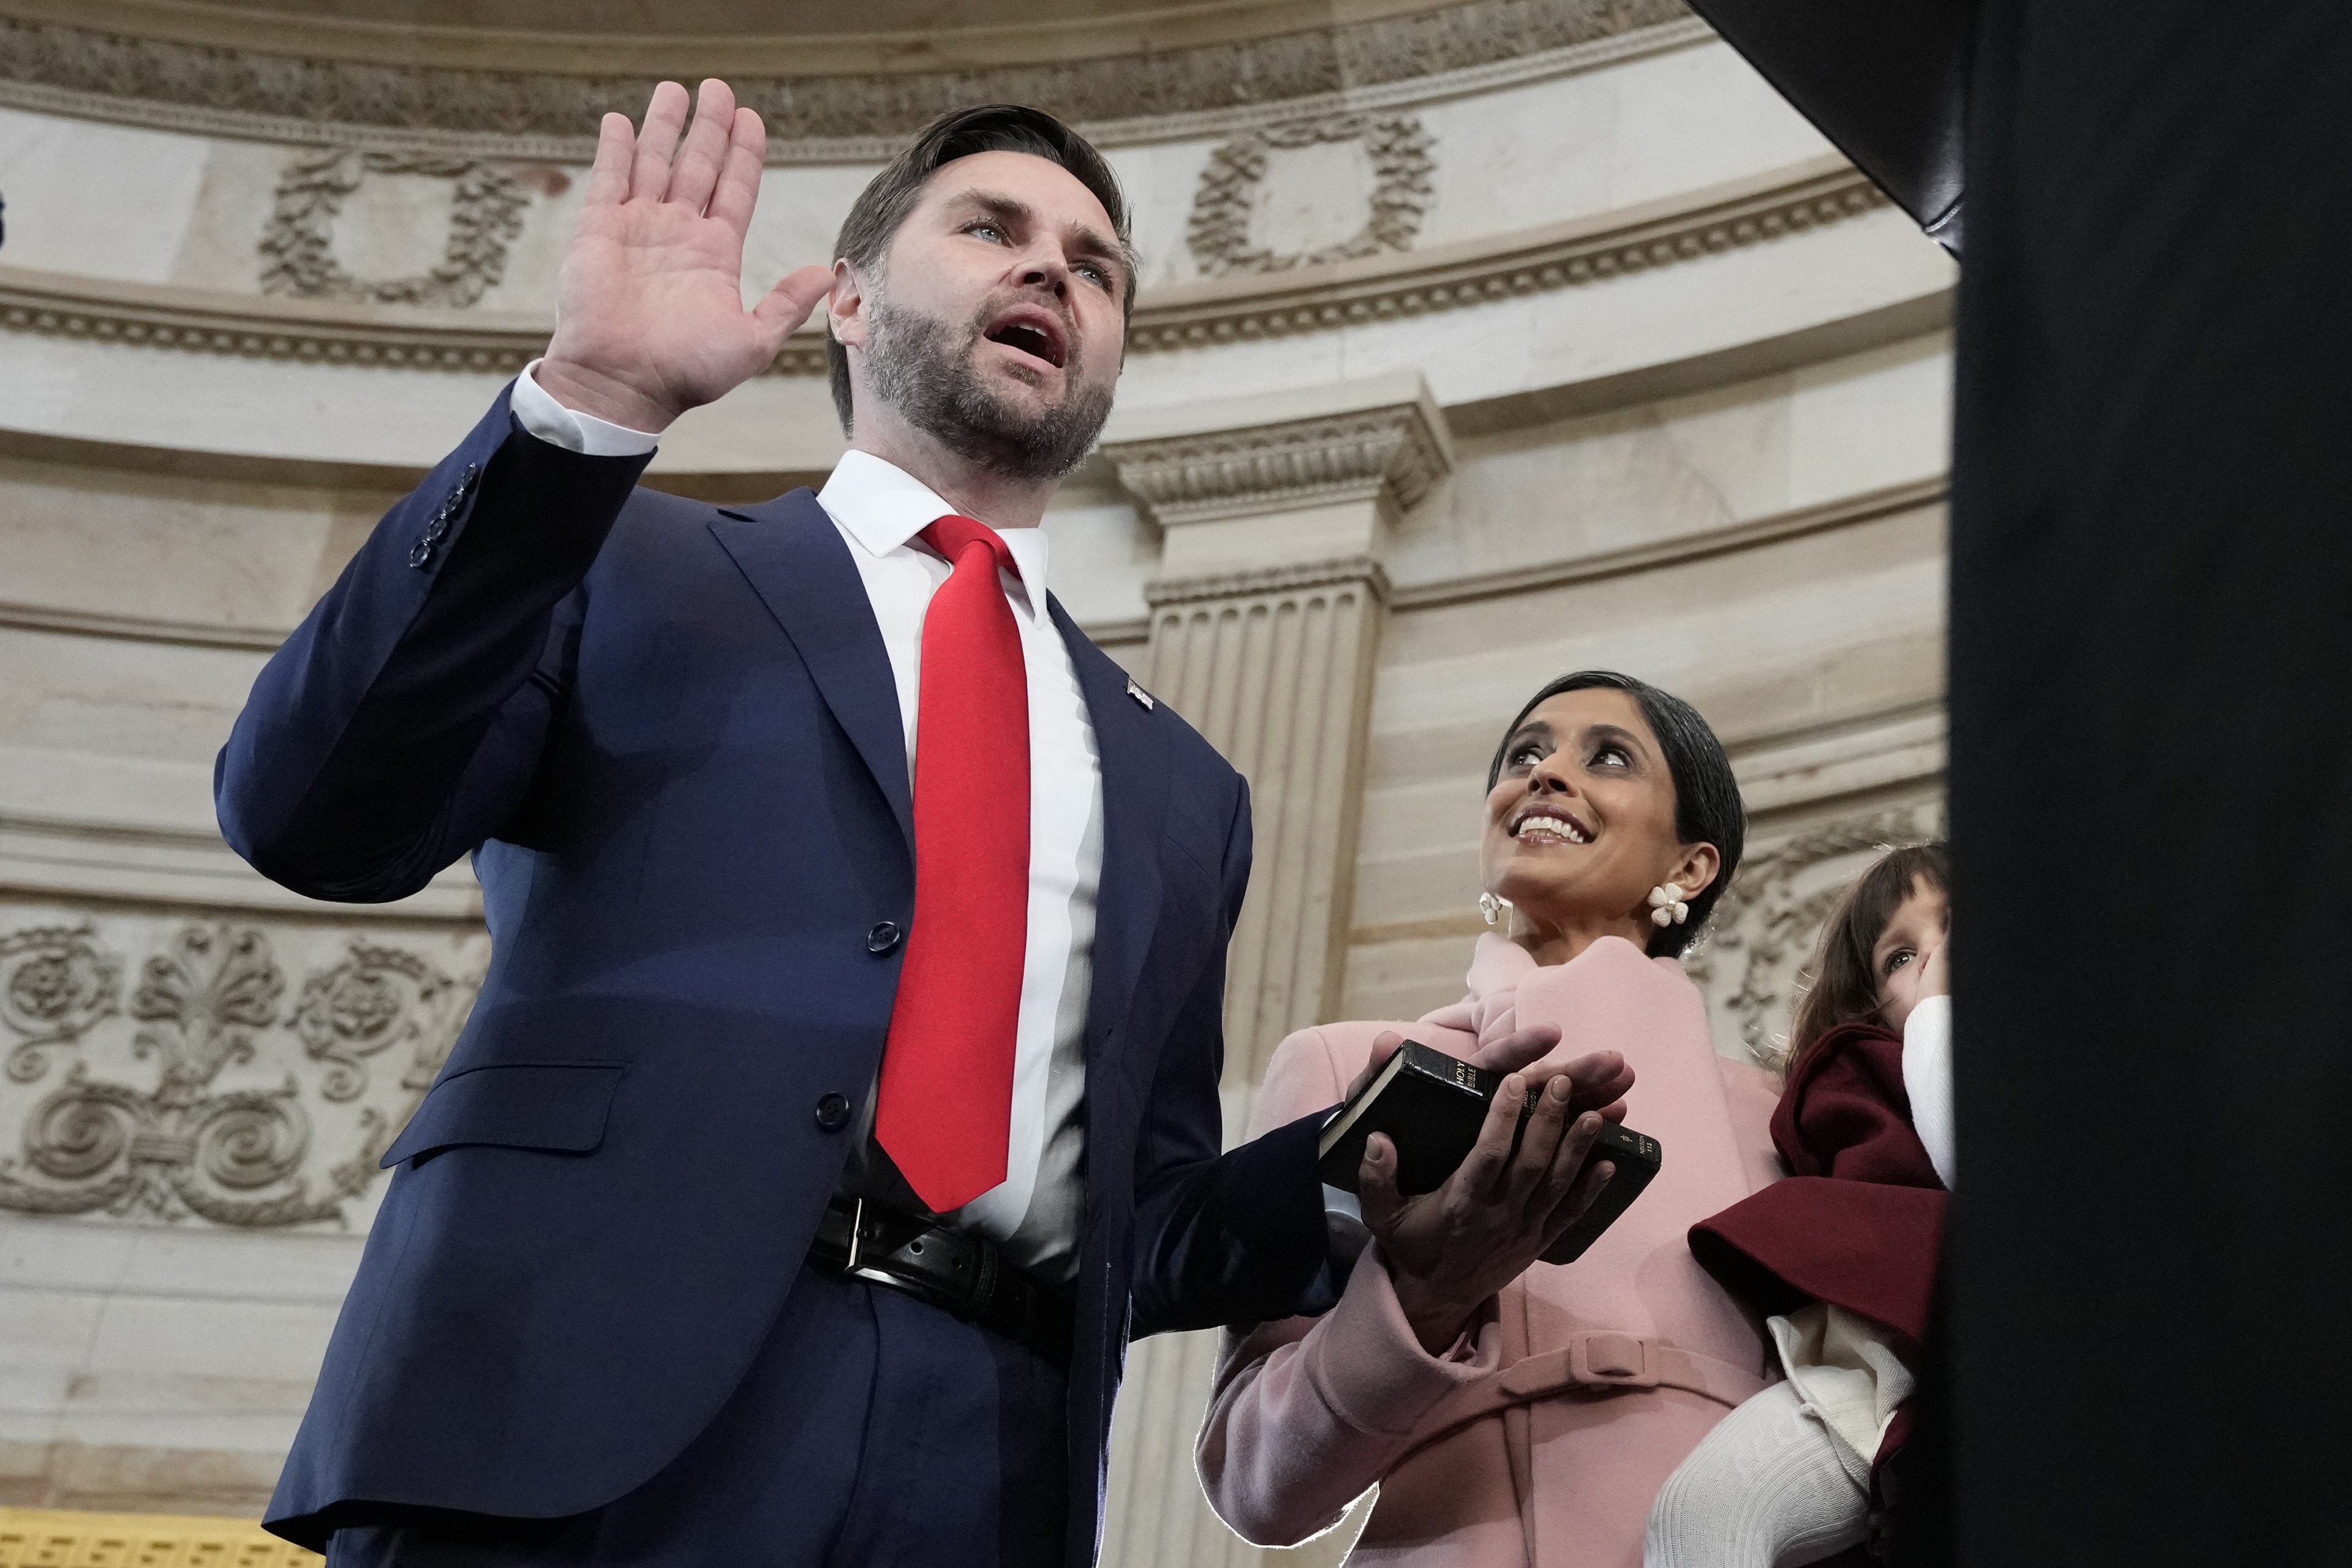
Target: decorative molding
(859,115)
(1109,635)
(297,245)
(1731,537)
(140,629)
(1396,452)
(1409,93)
(210,321)
(1271,580)
(107,867)
(1562,256)
(1218,232)
(1905,321)
(69,1538)
(266,639)
(1238,309)
(204,1137)
(1763,932)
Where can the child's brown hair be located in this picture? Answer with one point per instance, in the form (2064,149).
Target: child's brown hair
(1838,986)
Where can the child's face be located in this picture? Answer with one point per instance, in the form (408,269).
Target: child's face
(1908,959)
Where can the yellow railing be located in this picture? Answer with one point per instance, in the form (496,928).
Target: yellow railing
(68,1538)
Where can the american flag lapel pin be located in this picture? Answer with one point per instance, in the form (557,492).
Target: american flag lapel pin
(1140,695)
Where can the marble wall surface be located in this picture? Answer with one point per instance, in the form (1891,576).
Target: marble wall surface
(1676,384)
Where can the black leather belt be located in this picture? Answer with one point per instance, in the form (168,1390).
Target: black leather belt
(966,1274)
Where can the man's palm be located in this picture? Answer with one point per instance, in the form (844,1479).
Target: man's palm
(649,313)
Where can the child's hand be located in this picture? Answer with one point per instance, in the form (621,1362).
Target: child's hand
(1936,973)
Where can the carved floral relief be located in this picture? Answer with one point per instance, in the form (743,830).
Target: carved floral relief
(235,1072)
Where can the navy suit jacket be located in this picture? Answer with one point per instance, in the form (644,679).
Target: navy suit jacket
(668,734)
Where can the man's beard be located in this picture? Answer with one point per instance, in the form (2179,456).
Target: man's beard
(924,368)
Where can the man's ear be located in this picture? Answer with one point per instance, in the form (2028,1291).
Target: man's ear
(1695,871)
(848,308)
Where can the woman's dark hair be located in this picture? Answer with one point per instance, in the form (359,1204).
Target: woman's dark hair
(1707,808)
(1839,987)
(875,217)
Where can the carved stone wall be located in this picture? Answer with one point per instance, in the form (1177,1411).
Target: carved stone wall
(187,1070)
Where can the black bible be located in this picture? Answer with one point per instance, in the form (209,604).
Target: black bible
(1432,1105)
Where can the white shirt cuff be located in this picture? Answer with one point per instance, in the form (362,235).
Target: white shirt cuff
(1927,1080)
(537,411)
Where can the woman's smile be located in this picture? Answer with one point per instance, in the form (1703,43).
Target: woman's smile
(1542,822)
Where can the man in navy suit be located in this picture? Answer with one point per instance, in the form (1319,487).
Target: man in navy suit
(842,1094)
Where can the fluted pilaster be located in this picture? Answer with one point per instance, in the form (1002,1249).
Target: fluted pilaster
(1265,625)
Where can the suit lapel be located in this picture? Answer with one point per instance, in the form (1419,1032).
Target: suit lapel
(1135,795)
(799,564)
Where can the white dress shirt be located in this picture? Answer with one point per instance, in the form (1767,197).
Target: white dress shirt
(879,510)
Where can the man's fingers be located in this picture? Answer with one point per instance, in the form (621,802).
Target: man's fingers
(616,143)
(737,191)
(1377,1198)
(695,168)
(788,304)
(1519,1049)
(665,117)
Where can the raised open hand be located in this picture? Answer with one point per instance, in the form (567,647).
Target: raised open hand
(649,317)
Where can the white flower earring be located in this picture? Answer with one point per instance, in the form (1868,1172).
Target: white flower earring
(1492,907)
(1666,906)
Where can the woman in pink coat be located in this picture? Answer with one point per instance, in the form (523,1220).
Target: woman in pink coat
(1514,1411)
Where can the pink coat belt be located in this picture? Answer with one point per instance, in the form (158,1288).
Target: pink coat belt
(1595,1359)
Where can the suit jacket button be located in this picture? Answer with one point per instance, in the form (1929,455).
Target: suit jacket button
(883,938)
(832,1112)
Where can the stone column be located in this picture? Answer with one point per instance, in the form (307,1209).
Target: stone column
(1266,621)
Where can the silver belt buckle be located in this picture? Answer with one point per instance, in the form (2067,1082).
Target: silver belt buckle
(858,1240)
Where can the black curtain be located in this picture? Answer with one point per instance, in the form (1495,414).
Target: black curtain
(2151,772)
(2151,1268)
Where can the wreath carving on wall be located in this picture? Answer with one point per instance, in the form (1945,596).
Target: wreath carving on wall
(1402,190)
(297,244)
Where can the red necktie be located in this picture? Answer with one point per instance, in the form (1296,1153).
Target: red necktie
(945,1111)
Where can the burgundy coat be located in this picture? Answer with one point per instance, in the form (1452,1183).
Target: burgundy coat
(1859,1221)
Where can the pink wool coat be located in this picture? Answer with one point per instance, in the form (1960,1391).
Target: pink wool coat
(1540,1440)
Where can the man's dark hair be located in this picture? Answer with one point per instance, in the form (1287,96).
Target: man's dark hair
(874,219)
(1708,807)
